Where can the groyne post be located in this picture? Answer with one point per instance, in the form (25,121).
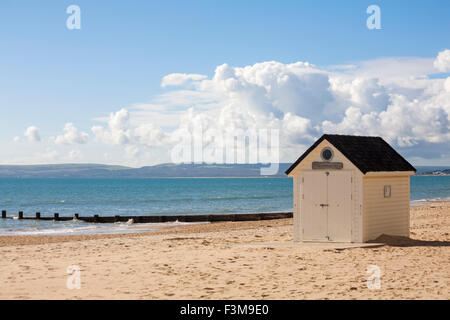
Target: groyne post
(154,219)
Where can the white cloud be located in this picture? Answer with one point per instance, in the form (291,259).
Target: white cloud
(72,136)
(117,132)
(391,97)
(405,123)
(150,135)
(48,156)
(447,84)
(75,155)
(442,62)
(178,79)
(131,152)
(32,133)
(393,68)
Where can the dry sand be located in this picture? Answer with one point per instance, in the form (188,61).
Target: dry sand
(233,260)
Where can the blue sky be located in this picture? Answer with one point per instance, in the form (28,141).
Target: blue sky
(50,76)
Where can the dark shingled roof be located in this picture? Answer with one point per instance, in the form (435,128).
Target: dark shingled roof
(366,153)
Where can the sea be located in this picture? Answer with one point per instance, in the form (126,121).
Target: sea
(165,196)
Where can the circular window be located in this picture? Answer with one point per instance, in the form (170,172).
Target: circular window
(326,154)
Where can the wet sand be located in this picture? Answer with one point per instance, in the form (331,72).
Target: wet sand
(231,260)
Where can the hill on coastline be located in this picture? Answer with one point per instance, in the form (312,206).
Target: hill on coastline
(167,170)
(157,171)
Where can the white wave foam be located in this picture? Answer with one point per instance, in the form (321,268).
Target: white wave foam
(78,227)
(420,202)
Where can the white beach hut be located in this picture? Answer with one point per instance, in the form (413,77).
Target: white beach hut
(350,189)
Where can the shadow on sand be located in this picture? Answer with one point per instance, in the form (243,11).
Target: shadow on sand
(398,241)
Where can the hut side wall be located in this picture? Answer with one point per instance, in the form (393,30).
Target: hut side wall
(383,215)
(357,210)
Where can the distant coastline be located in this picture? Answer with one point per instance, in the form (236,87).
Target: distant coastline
(167,170)
(442,172)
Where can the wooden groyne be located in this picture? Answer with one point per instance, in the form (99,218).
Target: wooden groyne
(158,219)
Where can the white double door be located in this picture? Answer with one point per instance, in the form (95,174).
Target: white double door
(326,206)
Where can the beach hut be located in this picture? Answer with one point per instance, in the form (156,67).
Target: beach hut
(350,189)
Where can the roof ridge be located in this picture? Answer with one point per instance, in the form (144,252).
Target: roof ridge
(350,135)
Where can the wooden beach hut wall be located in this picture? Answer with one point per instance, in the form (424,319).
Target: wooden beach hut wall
(350,189)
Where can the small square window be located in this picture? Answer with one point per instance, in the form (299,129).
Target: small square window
(387,191)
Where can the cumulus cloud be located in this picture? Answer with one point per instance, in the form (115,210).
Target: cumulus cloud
(447,84)
(399,102)
(32,133)
(120,132)
(150,135)
(442,62)
(117,132)
(72,136)
(178,79)
(408,109)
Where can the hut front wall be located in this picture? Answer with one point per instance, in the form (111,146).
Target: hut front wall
(384,214)
(297,205)
(357,178)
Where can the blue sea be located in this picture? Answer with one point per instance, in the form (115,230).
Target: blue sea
(170,196)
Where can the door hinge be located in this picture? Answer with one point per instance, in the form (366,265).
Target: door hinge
(303,196)
(303,179)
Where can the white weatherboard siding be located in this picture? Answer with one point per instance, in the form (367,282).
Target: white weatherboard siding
(385,215)
(297,224)
(357,210)
(314,216)
(339,200)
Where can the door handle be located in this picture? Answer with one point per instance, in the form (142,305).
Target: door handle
(324,205)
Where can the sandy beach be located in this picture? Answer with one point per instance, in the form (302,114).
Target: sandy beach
(233,260)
